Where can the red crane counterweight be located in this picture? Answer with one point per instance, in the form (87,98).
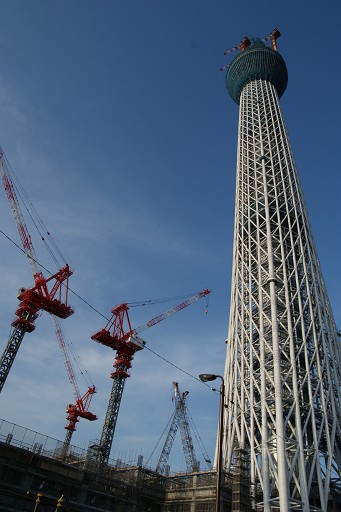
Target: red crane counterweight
(50,301)
(80,410)
(32,300)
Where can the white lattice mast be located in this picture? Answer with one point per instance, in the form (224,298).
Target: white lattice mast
(283,358)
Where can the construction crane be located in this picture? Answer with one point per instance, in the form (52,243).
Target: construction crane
(35,299)
(54,300)
(80,409)
(119,335)
(273,36)
(246,42)
(179,420)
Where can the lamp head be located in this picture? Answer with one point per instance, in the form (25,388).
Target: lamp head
(206,377)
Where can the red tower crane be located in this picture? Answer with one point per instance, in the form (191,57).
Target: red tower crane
(246,42)
(119,335)
(49,294)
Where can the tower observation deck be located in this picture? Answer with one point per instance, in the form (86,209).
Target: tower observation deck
(283,362)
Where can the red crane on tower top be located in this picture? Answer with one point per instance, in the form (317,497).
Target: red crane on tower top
(246,42)
(119,335)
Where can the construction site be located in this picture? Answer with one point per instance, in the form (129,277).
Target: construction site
(41,473)
(279,434)
(33,467)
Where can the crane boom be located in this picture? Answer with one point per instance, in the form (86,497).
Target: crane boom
(19,219)
(180,419)
(119,335)
(69,369)
(171,311)
(47,295)
(162,464)
(118,329)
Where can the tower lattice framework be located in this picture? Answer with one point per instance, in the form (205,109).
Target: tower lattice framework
(283,363)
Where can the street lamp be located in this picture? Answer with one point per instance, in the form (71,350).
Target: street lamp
(207,377)
(38,500)
(60,503)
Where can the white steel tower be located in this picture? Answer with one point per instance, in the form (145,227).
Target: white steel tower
(283,363)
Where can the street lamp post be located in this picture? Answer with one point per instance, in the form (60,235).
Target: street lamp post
(38,500)
(207,377)
(60,503)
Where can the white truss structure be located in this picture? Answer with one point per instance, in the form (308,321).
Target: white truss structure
(283,363)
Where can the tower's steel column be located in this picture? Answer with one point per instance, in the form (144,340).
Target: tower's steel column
(283,363)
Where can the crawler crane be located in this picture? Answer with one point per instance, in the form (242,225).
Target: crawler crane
(180,420)
(119,335)
(54,300)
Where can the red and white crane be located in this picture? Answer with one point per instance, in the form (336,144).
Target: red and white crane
(79,409)
(246,42)
(119,335)
(49,294)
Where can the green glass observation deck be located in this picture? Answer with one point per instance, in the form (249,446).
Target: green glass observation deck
(257,62)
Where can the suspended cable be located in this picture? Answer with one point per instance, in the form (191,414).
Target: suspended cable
(161,436)
(150,350)
(76,358)
(35,217)
(158,301)
(199,441)
(173,364)
(51,273)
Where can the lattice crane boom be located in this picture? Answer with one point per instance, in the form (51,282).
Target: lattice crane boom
(49,294)
(16,210)
(180,420)
(171,311)
(162,464)
(185,431)
(35,299)
(119,335)
(69,368)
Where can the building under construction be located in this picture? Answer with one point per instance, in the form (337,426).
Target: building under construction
(34,471)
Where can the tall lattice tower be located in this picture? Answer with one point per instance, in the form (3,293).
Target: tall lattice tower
(283,363)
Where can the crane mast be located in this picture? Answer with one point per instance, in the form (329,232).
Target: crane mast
(180,420)
(24,323)
(32,301)
(49,295)
(119,335)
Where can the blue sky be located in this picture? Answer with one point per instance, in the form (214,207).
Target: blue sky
(117,122)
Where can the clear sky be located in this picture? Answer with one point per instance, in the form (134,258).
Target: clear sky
(117,122)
